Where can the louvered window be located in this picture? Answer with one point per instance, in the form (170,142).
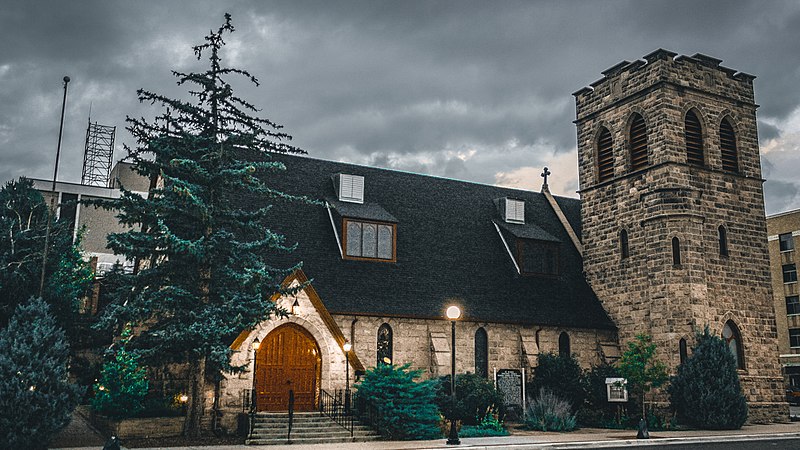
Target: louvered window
(693,133)
(727,140)
(369,240)
(605,155)
(638,140)
(350,188)
(515,211)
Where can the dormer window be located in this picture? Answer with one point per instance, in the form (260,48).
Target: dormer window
(514,211)
(349,188)
(369,240)
(536,257)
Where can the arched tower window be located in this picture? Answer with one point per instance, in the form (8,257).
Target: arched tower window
(682,351)
(624,251)
(605,155)
(385,344)
(676,251)
(563,345)
(722,234)
(727,140)
(693,134)
(730,332)
(638,142)
(481,353)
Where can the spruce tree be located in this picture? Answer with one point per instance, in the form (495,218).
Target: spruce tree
(705,392)
(36,400)
(23,224)
(201,237)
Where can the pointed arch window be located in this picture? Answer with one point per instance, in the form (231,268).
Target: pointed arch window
(385,344)
(693,134)
(605,155)
(563,345)
(682,350)
(676,251)
(722,234)
(732,337)
(481,353)
(727,141)
(638,142)
(624,251)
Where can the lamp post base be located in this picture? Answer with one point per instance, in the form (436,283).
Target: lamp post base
(453,438)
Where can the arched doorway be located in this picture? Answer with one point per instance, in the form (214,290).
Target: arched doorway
(288,359)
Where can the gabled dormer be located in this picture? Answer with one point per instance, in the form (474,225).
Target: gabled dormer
(532,250)
(349,188)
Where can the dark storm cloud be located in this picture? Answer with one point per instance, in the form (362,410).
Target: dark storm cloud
(477,90)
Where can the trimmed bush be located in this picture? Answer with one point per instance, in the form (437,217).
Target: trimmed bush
(489,426)
(36,400)
(406,408)
(476,398)
(548,412)
(705,393)
(562,375)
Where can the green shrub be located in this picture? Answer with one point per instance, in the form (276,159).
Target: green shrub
(476,397)
(36,400)
(122,387)
(548,412)
(406,408)
(562,376)
(705,392)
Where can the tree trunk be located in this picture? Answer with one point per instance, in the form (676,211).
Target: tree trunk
(194,408)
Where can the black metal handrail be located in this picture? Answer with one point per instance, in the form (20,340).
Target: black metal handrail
(333,406)
(370,415)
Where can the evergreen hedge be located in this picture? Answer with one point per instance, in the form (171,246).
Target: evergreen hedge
(560,374)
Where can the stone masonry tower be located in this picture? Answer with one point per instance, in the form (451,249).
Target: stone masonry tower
(674,230)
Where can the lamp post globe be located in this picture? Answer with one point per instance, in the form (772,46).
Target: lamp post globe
(453,313)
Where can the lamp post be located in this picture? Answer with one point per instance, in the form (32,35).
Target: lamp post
(453,313)
(253,402)
(346,347)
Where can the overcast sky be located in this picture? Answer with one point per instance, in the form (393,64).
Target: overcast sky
(477,91)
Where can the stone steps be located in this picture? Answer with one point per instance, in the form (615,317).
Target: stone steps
(307,428)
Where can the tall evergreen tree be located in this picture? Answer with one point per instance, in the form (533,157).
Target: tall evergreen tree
(36,400)
(705,392)
(23,224)
(201,236)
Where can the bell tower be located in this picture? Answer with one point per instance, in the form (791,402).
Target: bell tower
(674,230)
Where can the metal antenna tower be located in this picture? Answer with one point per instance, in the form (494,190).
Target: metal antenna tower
(98,154)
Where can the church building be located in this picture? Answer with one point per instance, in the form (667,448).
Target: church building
(668,236)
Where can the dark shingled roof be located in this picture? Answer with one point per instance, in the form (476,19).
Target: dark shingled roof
(447,248)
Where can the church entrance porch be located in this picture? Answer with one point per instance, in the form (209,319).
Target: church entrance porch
(288,359)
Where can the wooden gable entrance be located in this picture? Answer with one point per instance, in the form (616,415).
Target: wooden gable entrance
(288,359)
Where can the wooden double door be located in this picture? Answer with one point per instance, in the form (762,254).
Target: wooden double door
(288,359)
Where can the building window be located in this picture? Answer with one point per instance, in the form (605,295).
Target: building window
(794,337)
(727,140)
(682,351)
(537,257)
(385,344)
(638,142)
(693,134)
(789,273)
(793,304)
(624,251)
(787,242)
(481,353)
(605,155)
(722,234)
(676,252)
(369,240)
(563,345)
(730,332)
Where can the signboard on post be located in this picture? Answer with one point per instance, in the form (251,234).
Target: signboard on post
(510,383)
(616,390)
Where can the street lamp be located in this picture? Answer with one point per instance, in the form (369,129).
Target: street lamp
(453,313)
(346,347)
(253,404)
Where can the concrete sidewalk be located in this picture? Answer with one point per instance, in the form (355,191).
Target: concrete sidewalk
(524,440)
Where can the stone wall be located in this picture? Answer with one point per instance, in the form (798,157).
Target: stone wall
(646,292)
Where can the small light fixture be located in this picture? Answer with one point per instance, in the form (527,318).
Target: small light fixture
(296,304)
(256,344)
(183,398)
(101,388)
(347,346)
(453,312)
